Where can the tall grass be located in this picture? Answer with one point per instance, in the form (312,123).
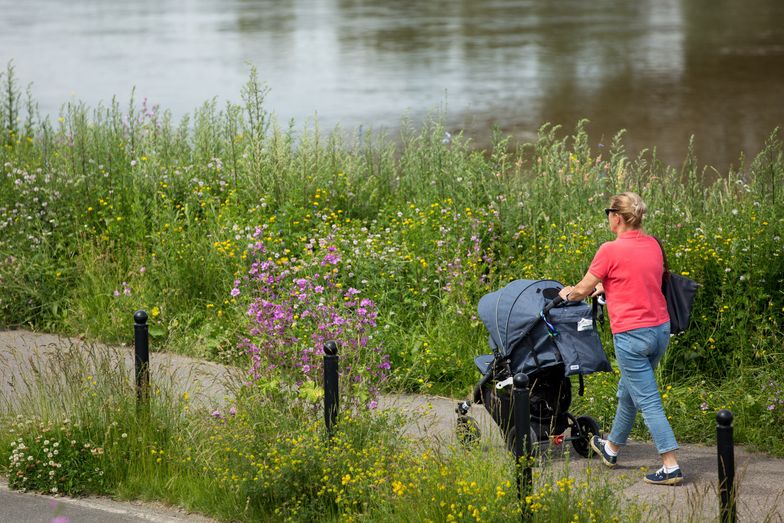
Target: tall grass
(74,428)
(107,210)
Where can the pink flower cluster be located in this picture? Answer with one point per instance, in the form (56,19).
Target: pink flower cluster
(297,305)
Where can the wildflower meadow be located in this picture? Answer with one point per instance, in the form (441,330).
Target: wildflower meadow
(251,243)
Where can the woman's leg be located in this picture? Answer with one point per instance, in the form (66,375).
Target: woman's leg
(669,458)
(625,414)
(638,351)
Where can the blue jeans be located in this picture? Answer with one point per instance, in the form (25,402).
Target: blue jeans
(638,351)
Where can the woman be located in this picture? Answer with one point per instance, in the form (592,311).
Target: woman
(629,271)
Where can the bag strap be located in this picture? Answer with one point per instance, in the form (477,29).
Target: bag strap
(666,272)
(597,313)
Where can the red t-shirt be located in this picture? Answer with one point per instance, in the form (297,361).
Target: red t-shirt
(631,269)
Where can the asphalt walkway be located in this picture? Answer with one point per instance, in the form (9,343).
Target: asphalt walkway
(759,477)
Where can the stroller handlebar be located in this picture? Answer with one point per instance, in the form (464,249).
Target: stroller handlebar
(556,302)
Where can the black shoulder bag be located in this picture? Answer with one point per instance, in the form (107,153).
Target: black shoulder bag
(679,293)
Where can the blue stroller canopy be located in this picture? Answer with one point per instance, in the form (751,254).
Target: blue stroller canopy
(510,313)
(519,333)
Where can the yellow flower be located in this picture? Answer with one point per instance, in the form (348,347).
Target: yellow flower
(155,312)
(398,488)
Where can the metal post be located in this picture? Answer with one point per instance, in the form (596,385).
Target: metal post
(726,454)
(141,357)
(330,384)
(522,444)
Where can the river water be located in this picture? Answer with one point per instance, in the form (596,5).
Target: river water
(662,69)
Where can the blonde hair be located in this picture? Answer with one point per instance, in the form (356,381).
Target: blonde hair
(631,208)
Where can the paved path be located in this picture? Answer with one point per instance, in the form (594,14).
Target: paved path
(759,477)
(16,507)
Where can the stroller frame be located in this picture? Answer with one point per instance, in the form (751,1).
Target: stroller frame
(550,396)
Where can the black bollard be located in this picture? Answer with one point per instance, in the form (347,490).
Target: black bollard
(726,452)
(141,344)
(522,444)
(330,384)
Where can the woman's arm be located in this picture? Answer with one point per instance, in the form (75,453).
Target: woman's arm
(590,285)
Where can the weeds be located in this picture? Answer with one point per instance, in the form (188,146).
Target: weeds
(264,456)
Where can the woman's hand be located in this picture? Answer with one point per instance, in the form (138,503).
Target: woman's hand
(588,286)
(598,290)
(564,293)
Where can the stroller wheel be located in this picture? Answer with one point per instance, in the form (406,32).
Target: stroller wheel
(467,431)
(512,435)
(583,430)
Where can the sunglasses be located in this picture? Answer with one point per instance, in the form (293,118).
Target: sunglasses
(608,211)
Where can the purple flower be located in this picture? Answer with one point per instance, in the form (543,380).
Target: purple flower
(295,302)
(216,414)
(704,406)
(61,519)
(116,293)
(373,404)
(330,259)
(232,411)
(771,407)
(235,291)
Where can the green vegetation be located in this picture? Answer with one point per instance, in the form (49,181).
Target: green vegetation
(108,210)
(265,457)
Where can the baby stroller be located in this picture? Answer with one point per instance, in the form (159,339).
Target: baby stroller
(532,330)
